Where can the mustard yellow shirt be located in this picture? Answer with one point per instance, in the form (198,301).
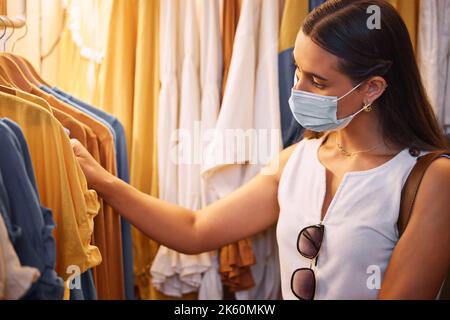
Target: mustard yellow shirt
(77,131)
(61,183)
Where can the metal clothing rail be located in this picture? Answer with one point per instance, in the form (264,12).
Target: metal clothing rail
(16,22)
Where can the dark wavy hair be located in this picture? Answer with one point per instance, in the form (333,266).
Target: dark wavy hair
(406,116)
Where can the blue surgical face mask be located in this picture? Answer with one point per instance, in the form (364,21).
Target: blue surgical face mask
(317,112)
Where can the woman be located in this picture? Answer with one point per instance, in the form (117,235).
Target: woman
(335,196)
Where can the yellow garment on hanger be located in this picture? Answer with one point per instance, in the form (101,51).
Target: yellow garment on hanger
(66,120)
(409,10)
(61,183)
(33,99)
(110,279)
(115,87)
(294,13)
(77,131)
(143,159)
(42,103)
(76,73)
(296,10)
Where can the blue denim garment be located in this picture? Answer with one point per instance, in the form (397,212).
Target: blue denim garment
(315,3)
(87,291)
(5,209)
(291,130)
(30,225)
(89,113)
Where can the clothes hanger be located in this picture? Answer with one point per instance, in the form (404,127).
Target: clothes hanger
(5,28)
(24,67)
(26,73)
(4,80)
(9,37)
(14,74)
(10,71)
(3,76)
(5,85)
(20,38)
(25,64)
(6,89)
(33,71)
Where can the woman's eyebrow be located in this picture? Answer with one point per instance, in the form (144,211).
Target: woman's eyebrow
(318,76)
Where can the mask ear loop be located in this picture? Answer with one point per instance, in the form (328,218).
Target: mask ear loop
(350,91)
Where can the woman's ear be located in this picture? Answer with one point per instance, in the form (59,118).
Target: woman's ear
(375,87)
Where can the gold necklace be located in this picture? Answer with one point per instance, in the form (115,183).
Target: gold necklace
(351,154)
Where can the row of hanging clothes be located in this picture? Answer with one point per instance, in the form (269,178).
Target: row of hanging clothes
(59,240)
(230,85)
(186,53)
(226,64)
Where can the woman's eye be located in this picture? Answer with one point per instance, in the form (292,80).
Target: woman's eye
(317,84)
(313,80)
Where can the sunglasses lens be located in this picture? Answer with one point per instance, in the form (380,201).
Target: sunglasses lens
(303,284)
(309,241)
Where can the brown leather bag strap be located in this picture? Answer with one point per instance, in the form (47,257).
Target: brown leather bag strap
(411,187)
(408,197)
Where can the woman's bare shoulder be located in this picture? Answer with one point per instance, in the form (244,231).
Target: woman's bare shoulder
(283,158)
(437,178)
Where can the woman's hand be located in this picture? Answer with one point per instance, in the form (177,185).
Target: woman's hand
(93,171)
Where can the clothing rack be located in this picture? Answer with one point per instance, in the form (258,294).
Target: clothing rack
(18,21)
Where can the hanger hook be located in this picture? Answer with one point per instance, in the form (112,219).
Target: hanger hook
(20,38)
(9,37)
(5,27)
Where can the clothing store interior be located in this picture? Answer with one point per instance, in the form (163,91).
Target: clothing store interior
(121,77)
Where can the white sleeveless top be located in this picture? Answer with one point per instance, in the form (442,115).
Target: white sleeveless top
(360,224)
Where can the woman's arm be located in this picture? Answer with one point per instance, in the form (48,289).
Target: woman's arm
(421,258)
(245,212)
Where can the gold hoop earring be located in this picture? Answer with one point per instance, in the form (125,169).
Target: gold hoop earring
(368,107)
